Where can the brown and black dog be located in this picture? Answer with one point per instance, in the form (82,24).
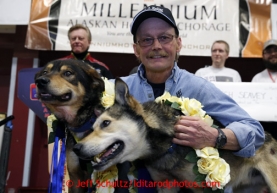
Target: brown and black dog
(72,91)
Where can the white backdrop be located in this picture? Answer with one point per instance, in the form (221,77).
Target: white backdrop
(15,12)
(259,100)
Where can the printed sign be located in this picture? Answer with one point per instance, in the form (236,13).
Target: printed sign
(257,99)
(244,24)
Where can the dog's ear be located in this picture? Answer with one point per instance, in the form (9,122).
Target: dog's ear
(123,97)
(121,92)
(39,73)
(97,82)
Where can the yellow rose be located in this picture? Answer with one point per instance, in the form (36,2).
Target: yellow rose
(205,165)
(109,86)
(208,120)
(175,99)
(219,176)
(108,95)
(207,152)
(50,120)
(164,97)
(107,100)
(189,107)
(183,106)
(192,107)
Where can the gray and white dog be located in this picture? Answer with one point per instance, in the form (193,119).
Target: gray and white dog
(128,131)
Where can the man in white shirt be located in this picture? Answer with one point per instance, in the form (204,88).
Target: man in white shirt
(270,62)
(269,75)
(217,72)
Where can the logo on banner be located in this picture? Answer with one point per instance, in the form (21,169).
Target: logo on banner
(33,97)
(33,92)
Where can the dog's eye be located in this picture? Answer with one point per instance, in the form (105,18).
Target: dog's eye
(105,123)
(44,72)
(68,73)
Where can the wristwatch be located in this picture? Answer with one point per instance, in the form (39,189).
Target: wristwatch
(221,139)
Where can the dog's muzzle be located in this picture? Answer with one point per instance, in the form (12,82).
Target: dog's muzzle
(42,82)
(45,93)
(101,159)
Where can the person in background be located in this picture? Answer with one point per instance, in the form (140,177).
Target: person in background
(217,72)
(269,74)
(80,38)
(157,46)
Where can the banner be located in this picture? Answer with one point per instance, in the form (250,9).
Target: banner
(245,25)
(274,18)
(257,99)
(27,92)
(15,12)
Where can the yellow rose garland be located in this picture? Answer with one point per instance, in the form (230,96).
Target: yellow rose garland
(214,169)
(108,95)
(210,167)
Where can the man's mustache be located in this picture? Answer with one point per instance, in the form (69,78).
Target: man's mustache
(160,53)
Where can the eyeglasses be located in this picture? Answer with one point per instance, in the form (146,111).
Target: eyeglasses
(148,41)
(271,50)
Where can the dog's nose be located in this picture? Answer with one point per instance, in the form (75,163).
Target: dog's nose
(42,82)
(77,148)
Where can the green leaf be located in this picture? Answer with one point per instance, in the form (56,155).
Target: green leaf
(175,106)
(51,137)
(208,190)
(192,157)
(89,168)
(195,169)
(54,125)
(167,102)
(200,177)
(215,126)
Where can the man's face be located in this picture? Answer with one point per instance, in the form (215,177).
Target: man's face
(79,41)
(270,54)
(159,56)
(219,54)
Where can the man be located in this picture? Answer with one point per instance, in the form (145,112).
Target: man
(217,72)
(270,61)
(157,45)
(269,75)
(80,38)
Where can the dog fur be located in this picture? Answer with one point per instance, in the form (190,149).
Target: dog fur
(71,90)
(128,131)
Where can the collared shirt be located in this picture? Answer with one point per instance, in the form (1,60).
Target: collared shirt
(249,132)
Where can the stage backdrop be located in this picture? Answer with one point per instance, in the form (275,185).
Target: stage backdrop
(244,24)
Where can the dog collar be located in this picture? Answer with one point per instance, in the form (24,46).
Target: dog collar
(85,127)
(171,148)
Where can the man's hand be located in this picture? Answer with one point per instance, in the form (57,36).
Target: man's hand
(195,133)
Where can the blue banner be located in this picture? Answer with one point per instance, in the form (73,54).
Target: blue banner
(27,92)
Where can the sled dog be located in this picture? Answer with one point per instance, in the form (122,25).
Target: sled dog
(72,91)
(128,131)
